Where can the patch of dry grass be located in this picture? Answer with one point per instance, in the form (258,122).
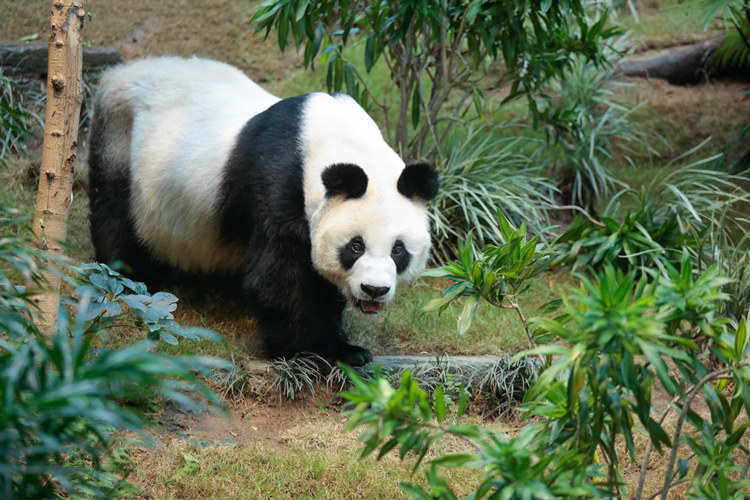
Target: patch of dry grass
(686,116)
(216,29)
(314,459)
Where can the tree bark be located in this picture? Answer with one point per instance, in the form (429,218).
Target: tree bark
(59,149)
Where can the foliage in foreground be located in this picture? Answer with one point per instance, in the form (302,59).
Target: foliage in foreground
(62,399)
(619,335)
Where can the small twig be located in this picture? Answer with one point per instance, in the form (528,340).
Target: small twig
(745,468)
(647,453)
(514,305)
(671,485)
(584,212)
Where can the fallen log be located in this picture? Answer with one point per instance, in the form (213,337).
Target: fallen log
(683,66)
(30,61)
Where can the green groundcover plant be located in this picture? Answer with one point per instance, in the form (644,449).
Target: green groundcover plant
(62,400)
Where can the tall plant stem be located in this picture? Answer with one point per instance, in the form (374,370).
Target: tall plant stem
(513,304)
(680,422)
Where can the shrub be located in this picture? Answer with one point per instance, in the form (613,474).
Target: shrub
(592,126)
(689,207)
(618,334)
(63,398)
(16,119)
(481,176)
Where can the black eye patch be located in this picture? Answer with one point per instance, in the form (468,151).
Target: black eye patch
(349,253)
(400,256)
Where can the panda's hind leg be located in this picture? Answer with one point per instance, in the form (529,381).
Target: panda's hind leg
(112,229)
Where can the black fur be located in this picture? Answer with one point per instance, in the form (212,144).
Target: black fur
(418,181)
(350,253)
(345,179)
(400,258)
(263,208)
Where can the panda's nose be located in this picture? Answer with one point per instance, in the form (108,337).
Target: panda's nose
(375,291)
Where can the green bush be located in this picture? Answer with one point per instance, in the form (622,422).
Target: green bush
(592,126)
(16,119)
(617,335)
(481,176)
(62,398)
(433,48)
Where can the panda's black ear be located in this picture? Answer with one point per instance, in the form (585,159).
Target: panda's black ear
(418,181)
(344,179)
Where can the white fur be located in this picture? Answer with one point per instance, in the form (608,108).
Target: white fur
(186,117)
(338,130)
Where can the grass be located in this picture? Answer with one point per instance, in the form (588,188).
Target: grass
(658,24)
(314,459)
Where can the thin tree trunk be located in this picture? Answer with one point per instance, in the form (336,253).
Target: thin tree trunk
(60,143)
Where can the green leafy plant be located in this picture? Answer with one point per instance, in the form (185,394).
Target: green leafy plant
(592,126)
(619,335)
(16,119)
(433,48)
(689,207)
(62,397)
(481,176)
(407,419)
(295,375)
(639,240)
(697,195)
(733,259)
(108,292)
(498,274)
(733,17)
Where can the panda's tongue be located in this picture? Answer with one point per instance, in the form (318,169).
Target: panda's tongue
(369,306)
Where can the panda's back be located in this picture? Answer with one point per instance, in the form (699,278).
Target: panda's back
(186,115)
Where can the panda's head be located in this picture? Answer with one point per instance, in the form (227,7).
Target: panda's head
(369,233)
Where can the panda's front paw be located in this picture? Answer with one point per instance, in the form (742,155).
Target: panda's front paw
(352,355)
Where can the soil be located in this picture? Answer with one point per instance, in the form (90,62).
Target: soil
(248,421)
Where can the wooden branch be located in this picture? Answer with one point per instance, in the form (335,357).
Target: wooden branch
(59,149)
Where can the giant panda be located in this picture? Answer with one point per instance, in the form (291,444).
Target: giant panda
(196,169)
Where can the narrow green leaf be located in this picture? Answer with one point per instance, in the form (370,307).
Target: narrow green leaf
(740,339)
(467,314)
(439,403)
(454,460)
(415,107)
(350,81)
(370,51)
(338,74)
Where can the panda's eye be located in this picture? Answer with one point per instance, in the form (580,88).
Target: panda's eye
(357,246)
(398,249)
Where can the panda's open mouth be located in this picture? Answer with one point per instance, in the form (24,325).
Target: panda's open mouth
(368,306)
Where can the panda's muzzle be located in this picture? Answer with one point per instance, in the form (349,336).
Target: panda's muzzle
(371,306)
